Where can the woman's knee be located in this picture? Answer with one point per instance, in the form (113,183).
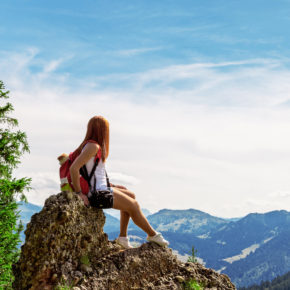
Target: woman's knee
(133,207)
(129,193)
(136,205)
(124,202)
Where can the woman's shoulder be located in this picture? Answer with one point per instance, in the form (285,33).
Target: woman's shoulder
(92,142)
(92,146)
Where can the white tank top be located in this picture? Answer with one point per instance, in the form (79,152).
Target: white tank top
(100,174)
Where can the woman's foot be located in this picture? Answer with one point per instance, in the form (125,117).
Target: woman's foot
(158,239)
(124,242)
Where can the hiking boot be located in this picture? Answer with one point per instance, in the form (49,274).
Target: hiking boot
(124,242)
(158,239)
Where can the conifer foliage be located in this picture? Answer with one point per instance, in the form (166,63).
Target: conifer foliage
(279,283)
(13,143)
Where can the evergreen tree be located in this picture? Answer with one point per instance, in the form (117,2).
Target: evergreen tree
(12,145)
(279,283)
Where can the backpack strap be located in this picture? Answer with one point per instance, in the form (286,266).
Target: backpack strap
(86,176)
(84,171)
(108,181)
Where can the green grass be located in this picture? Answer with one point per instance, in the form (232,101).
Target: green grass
(192,285)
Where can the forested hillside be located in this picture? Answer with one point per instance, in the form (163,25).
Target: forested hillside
(279,283)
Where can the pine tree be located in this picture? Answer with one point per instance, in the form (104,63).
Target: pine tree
(12,145)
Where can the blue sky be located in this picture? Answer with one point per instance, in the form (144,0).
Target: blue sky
(101,38)
(196,92)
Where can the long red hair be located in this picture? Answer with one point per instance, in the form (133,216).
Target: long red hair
(98,130)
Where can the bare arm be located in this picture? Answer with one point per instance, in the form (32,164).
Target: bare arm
(118,186)
(89,151)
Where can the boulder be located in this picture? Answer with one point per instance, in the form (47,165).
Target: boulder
(66,246)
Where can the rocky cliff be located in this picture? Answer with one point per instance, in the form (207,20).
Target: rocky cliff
(65,246)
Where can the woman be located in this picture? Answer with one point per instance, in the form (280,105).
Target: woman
(120,198)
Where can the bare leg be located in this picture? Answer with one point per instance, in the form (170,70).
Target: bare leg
(125,203)
(124,221)
(124,216)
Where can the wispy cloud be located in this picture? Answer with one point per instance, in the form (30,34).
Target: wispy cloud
(52,65)
(254,82)
(217,141)
(134,51)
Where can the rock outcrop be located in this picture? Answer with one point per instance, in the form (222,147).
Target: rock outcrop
(65,246)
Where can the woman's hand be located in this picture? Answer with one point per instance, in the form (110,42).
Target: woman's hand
(118,186)
(85,199)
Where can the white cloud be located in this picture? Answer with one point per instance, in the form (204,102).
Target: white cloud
(248,83)
(43,185)
(52,66)
(120,178)
(213,144)
(280,195)
(134,51)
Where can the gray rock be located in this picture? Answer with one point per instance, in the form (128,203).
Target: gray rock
(65,241)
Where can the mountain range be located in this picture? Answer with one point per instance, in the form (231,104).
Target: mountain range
(249,250)
(279,283)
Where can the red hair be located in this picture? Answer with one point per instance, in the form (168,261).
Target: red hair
(98,130)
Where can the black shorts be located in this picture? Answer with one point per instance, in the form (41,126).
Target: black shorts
(101,199)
